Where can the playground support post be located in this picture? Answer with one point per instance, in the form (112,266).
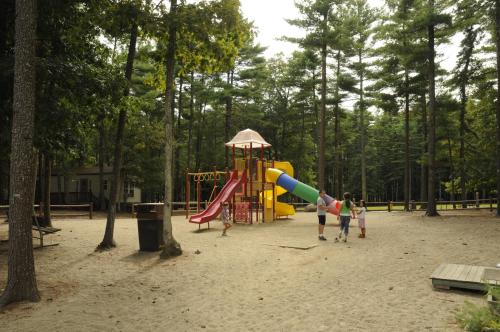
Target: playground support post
(257,210)
(250,169)
(198,194)
(246,170)
(274,198)
(187,192)
(215,182)
(234,157)
(263,179)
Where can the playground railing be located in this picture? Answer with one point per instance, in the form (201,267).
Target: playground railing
(61,210)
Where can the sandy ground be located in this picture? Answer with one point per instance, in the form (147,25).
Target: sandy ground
(244,282)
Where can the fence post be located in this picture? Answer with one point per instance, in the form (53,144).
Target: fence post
(91,209)
(491,204)
(389,206)
(477,199)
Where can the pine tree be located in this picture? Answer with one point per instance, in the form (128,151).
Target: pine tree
(21,280)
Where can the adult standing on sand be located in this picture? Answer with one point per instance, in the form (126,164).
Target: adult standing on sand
(321,208)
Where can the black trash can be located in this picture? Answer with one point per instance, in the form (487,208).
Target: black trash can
(150,227)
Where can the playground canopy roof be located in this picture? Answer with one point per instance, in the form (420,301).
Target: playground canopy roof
(243,139)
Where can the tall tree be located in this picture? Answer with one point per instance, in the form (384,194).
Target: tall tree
(497,45)
(431,186)
(21,280)
(108,240)
(465,68)
(363,17)
(316,20)
(171,246)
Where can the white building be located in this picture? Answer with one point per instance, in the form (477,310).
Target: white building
(81,185)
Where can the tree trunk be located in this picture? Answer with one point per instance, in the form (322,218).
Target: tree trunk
(407,144)
(47,170)
(66,189)
(60,194)
(316,116)
(424,170)
(452,172)
(431,187)
(39,183)
(229,112)
(470,38)
(21,280)
(178,179)
(190,125)
(102,197)
(200,124)
(108,241)
(362,128)
(322,116)
(171,247)
(497,42)
(337,145)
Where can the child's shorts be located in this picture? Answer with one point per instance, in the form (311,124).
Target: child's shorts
(361,223)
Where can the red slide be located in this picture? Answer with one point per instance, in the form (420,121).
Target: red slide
(213,210)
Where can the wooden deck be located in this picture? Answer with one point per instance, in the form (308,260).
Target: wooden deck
(469,277)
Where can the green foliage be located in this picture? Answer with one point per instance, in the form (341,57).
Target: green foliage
(478,319)
(83,47)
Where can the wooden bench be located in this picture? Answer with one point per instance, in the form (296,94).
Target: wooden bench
(42,231)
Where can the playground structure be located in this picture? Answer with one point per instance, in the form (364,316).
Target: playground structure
(253,186)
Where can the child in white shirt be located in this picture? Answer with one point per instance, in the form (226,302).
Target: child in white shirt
(361,219)
(226,217)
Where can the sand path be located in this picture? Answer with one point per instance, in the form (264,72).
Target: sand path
(245,282)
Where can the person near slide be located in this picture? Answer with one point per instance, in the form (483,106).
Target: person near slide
(226,218)
(345,211)
(321,208)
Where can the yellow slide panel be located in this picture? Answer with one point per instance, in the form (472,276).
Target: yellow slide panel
(282,209)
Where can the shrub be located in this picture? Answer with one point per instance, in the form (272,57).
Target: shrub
(480,319)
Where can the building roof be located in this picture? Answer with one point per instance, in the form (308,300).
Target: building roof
(243,139)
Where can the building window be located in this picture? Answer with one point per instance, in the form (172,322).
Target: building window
(129,189)
(105,184)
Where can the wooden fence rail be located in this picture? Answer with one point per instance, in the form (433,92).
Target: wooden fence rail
(476,204)
(37,207)
(175,211)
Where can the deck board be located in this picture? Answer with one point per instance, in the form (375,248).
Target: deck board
(463,276)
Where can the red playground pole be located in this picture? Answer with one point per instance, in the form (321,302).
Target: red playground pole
(215,182)
(187,192)
(198,194)
(245,170)
(234,161)
(251,183)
